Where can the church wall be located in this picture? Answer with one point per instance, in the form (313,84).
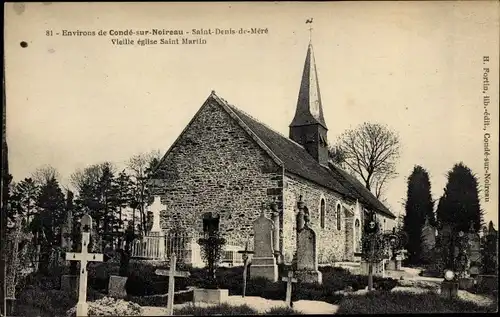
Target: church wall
(216,167)
(330,241)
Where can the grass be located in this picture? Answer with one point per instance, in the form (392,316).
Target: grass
(228,310)
(406,303)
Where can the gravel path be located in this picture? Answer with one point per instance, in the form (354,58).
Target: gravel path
(260,304)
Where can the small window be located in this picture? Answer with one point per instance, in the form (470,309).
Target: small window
(338,217)
(322,214)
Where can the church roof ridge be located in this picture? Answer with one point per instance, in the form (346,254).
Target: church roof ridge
(296,160)
(264,124)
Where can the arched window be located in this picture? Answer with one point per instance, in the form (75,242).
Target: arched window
(338,217)
(322,214)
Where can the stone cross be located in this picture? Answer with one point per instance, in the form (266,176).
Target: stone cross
(172,274)
(289,280)
(84,257)
(156,208)
(245,253)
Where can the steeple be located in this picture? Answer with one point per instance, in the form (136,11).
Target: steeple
(308,127)
(309,108)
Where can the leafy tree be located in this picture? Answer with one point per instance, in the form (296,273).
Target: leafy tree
(459,205)
(419,206)
(370,151)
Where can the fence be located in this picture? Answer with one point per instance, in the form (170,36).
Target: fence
(185,246)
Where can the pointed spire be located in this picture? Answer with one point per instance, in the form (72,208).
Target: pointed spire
(309,108)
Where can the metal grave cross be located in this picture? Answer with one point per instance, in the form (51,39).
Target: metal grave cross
(289,280)
(245,253)
(172,274)
(84,257)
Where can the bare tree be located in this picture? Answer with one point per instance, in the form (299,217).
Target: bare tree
(140,165)
(370,152)
(44,174)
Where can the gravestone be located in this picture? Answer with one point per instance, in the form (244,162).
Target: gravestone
(116,286)
(264,260)
(307,256)
(474,251)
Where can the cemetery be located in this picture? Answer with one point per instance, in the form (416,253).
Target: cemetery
(111,283)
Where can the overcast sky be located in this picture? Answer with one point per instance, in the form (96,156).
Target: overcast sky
(417,67)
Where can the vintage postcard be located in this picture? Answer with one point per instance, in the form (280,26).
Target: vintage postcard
(250,158)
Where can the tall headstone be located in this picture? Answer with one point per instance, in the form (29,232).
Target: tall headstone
(264,261)
(66,241)
(276,232)
(474,251)
(307,256)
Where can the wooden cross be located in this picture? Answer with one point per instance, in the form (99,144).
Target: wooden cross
(289,280)
(245,253)
(172,274)
(84,257)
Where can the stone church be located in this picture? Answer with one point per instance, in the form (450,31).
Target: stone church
(228,163)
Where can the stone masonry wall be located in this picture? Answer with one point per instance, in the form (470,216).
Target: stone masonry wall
(215,166)
(331,242)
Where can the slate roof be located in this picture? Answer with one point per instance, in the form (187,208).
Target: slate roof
(296,160)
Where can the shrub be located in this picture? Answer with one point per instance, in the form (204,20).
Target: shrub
(222,309)
(109,307)
(142,280)
(282,311)
(161,300)
(54,302)
(404,303)
(99,273)
(43,281)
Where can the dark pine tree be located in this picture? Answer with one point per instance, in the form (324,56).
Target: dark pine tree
(459,205)
(52,215)
(418,206)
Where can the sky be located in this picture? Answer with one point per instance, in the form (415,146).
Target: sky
(417,67)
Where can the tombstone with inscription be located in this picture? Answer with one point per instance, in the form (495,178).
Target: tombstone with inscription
(307,256)
(474,251)
(264,260)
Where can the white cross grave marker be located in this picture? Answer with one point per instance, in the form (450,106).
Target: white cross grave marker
(84,257)
(289,280)
(172,274)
